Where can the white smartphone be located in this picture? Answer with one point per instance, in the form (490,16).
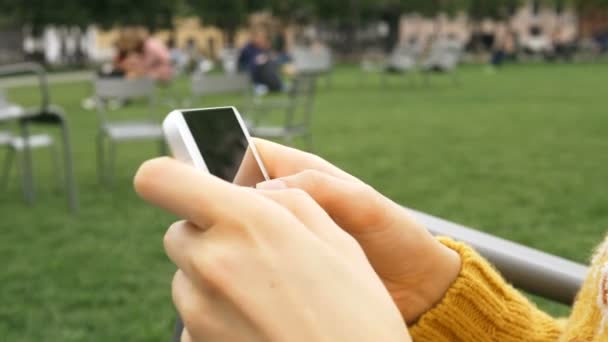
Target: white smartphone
(215,140)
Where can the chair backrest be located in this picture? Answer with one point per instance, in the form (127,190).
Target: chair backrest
(115,88)
(9,111)
(205,84)
(31,68)
(403,57)
(446,53)
(301,100)
(5,138)
(312,60)
(124,89)
(229,58)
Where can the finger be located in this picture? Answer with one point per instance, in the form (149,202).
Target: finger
(196,196)
(182,241)
(185,336)
(305,209)
(191,306)
(354,206)
(283,161)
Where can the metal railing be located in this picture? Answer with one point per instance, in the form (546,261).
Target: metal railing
(539,273)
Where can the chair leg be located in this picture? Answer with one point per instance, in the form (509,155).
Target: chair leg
(101,159)
(26,168)
(6,171)
(455,78)
(427,78)
(111,162)
(70,182)
(309,142)
(54,153)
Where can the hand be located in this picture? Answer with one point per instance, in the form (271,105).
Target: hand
(264,266)
(415,268)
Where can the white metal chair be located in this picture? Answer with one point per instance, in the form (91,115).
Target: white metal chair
(15,145)
(404,57)
(445,55)
(202,85)
(22,144)
(297,107)
(112,132)
(212,84)
(314,60)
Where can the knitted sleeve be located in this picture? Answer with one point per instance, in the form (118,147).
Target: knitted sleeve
(481,306)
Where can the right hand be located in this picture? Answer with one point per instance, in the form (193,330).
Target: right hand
(415,268)
(264,266)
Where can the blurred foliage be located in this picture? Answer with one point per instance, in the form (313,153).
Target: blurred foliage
(231,14)
(38,13)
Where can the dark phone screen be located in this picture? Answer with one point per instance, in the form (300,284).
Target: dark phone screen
(223,145)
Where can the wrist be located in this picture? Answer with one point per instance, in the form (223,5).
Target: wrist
(443,268)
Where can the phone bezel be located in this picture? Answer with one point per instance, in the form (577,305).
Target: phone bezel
(184,147)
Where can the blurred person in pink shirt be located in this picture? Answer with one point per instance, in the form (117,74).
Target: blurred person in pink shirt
(148,58)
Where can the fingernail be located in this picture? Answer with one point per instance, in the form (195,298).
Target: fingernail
(274,184)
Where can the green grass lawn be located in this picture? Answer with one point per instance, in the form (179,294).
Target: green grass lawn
(521,154)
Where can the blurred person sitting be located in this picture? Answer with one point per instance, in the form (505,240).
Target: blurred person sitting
(179,59)
(564,43)
(279,46)
(138,55)
(149,58)
(256,59)
(537,43)
(504,46)
(117,68)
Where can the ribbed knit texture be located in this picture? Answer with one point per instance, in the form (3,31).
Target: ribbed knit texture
(481,306)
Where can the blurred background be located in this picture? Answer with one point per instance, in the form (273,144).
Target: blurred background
(488,113)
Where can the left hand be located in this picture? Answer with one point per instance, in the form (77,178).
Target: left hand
(264,266)
(415,267)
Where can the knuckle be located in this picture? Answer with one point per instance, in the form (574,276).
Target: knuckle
(313,178)
(373,209)
(213,266)
(170,235)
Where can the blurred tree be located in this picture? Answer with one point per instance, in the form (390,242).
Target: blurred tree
(494,9)
(228,15)
(153,14)
(39,13)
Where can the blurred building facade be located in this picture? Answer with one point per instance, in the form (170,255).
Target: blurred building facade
(73,45)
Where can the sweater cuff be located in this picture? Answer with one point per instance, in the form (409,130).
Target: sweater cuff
(479,306)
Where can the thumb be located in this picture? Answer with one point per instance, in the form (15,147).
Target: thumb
(355,206)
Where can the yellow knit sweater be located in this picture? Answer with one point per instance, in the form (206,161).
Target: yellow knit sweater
(481,306)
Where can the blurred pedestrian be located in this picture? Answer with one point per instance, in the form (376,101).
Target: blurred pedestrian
(151,58)
(256,59)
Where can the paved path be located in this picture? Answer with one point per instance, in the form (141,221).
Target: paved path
(60,77)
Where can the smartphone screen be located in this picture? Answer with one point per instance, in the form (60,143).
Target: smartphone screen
(224,145)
